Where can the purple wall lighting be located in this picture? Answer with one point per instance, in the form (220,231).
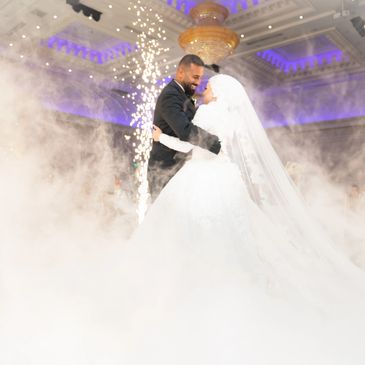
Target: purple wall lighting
(92,103)
(287,66)
(311,53)
(75,96)
(234,6)
(315,101)
(103,56)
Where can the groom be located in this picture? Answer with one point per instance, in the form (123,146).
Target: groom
(173,115)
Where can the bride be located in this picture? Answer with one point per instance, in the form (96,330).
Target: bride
(228,267)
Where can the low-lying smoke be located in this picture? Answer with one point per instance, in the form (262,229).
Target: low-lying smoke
(62,246)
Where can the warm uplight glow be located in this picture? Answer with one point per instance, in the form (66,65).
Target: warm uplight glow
(208,38)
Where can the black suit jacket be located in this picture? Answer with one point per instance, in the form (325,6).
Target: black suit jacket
(173,115)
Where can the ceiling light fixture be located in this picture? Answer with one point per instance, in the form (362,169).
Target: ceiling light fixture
(208,38)
(87,11)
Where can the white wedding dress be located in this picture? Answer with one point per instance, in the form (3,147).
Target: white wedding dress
(213,277)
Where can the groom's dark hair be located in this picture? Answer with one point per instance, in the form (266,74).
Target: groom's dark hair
(188,59)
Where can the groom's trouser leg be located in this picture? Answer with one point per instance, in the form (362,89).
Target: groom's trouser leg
(159,174)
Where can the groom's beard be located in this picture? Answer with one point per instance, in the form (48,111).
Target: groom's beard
(189,90)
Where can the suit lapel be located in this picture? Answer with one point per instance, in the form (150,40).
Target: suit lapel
(189,106)
(176,86)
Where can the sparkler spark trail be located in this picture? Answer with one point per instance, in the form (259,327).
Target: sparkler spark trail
(146,66)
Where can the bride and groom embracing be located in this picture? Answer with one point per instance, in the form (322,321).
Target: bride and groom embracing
(228,265)
(174,112)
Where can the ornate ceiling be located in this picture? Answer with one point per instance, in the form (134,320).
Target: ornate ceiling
(282,42)
(280,39)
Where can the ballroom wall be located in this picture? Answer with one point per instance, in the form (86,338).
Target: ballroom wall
(321,121)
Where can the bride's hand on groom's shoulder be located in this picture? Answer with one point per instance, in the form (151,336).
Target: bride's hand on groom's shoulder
(156,133)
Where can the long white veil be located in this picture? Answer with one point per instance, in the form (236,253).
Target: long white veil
(264,175)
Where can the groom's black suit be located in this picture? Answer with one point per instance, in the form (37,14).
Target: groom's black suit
(173,115)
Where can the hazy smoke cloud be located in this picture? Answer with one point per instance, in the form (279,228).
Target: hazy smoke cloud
(325,159)
(59,229)
(62,241)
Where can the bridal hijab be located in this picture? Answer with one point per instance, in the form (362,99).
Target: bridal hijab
(263,173)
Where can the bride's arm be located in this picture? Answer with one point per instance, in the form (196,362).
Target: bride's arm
(203,119)
(175,144)
(171,142)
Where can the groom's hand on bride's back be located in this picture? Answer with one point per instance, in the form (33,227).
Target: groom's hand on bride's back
(204,139)
(216,147)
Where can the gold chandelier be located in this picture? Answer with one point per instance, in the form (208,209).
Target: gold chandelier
(208,38)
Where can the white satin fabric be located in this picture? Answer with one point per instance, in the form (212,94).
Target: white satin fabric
(213,276)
